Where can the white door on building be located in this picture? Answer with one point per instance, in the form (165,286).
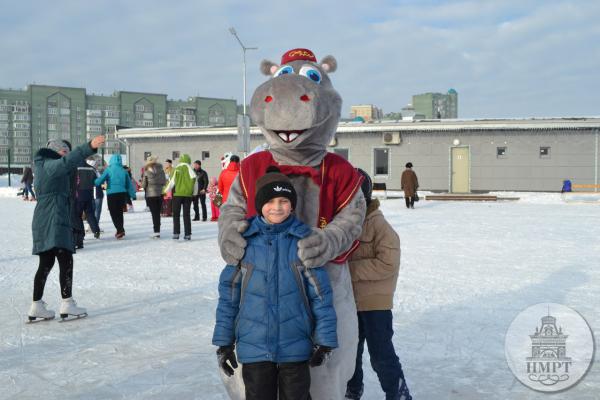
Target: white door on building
(460,171)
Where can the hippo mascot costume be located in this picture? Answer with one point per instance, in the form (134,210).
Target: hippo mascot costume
(298,111)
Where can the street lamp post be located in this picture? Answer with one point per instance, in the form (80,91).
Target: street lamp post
(244,124)
(244,48)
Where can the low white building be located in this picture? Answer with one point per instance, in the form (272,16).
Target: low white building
(457,156)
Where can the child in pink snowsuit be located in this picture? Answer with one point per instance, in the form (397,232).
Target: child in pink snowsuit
(212,194)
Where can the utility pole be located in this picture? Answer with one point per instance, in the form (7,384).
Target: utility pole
(244,122)
(8,152)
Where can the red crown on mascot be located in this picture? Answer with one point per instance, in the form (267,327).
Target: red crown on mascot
(298,54)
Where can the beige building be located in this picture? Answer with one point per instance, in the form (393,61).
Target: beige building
(368,112)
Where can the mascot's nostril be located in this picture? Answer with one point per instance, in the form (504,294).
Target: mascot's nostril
(268,99)
(304,98)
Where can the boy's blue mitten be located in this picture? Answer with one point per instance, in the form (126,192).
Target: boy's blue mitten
(224,354)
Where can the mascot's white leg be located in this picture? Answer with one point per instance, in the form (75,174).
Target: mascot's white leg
(328,382)
(234,384)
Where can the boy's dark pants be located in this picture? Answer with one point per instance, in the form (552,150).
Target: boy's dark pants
(376,328)
(263,380)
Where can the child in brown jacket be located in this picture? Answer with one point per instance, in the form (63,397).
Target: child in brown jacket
(374,269)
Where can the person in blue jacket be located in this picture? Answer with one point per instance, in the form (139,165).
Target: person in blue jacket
(119,189)
(277,312)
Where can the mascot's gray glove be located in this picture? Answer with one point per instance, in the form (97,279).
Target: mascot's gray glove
(233,245)
(316,250)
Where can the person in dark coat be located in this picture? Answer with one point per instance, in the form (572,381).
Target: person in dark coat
(51,225)
(202,180)
(100,165)
(410,184)
(86,175)
(27,181)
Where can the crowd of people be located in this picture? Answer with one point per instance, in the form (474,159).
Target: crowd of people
(70,185)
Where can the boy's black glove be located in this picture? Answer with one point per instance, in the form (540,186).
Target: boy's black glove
(224,354)
(319,355)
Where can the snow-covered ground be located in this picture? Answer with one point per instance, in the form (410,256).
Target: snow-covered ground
(467,270)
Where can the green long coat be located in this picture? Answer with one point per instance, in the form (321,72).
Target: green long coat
(51,225)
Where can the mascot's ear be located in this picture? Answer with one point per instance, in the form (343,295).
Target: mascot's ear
(329,64)
(268,67)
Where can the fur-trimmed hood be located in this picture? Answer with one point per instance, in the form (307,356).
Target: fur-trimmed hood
(47,153)
(373,206)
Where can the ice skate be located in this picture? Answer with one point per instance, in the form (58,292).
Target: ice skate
(175,236)
(187,237)
(155,236)
(70,311)
(38,311)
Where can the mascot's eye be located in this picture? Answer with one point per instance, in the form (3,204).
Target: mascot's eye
(311,73)
(286,69)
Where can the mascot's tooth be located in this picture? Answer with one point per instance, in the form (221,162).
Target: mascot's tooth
(283,136)
(293,136)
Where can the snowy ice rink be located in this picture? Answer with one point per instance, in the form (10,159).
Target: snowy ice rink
(467,270)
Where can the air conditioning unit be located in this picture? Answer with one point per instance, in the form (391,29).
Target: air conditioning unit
(392,138)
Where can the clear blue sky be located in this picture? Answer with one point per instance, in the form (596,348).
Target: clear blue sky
(506,58)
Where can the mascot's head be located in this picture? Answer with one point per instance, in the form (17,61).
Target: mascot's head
(225,160)
(298,108)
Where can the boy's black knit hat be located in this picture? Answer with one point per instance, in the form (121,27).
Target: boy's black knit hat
(271,185)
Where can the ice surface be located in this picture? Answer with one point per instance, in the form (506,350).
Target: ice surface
(467,270)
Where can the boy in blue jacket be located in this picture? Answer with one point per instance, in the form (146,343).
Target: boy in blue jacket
(278,313)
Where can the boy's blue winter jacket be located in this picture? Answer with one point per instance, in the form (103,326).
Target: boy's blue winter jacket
(271,306)
(117,177)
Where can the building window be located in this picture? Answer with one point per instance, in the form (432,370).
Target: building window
(544,152)
(500,152)
(216,115)
(205,155)
(381,161)
(175,155)
(341,152)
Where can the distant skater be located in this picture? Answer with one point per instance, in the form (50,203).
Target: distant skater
(410,184)
(119,189)
(153,182)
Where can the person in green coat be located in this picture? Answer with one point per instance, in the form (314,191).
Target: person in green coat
(51,224)
(183,184)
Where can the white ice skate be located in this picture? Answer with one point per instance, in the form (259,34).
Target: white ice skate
(69,310)
(39,311)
